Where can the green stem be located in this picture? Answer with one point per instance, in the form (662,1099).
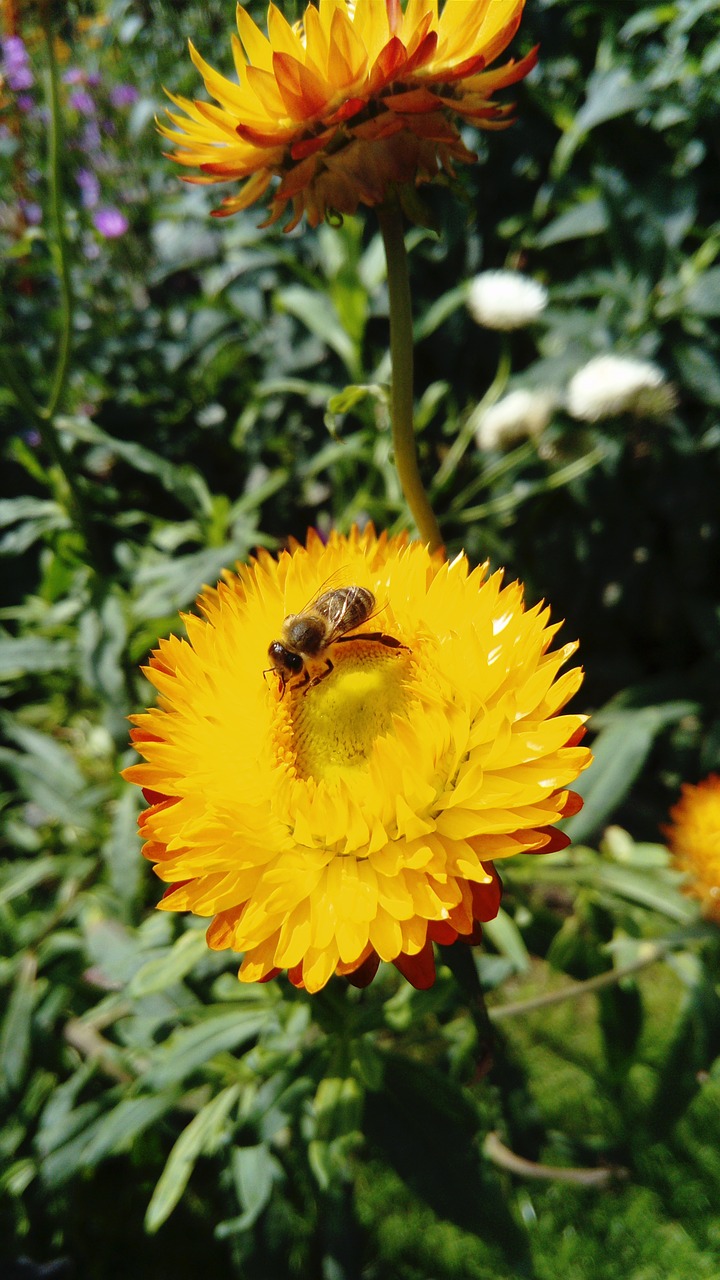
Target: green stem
(401,355)
(512,461)
(504,1158)
(653,952)
(507,502)
(62,366)
(44,416)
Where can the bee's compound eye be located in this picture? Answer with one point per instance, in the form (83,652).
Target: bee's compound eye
(284,659)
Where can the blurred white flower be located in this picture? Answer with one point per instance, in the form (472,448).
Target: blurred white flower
(611,385)
(520,415)
(505,299)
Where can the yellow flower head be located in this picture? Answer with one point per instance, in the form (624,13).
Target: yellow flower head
(342,800)
(359,97)
(694,840)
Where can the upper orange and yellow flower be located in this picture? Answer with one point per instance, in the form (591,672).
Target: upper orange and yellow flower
(694,840)
(350,815)
(360,97)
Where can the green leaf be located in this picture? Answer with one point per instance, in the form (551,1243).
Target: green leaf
(32,654)
(587,219)
(610,94)
(26,508)
(121,850)
(202,1136)
(338,1106)
(319,314)
(102,635)
(255,1171)
(698,366)
(183,482)
(166,586)
(508,940)
(47,773)
(658,891)
(16,1026)
(440,311)
(619,751)
(58,1121)
(19,878)
(703,296)
(192,1047)
(164,971)
(117,1130)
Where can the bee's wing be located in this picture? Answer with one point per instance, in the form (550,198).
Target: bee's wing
(344,616)
(340,578)
(335,613)
(337,609)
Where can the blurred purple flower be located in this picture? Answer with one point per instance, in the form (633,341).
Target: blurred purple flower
(110,223)
(32,438)
(91,139)
(123,95)
(32,212)
(19,79)
(94,79)
(24,102)
(13,47)
(89,188)
(83,102)
(74,75)
(14,53)
(15,64)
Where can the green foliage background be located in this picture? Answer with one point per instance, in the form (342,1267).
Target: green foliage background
(227,389)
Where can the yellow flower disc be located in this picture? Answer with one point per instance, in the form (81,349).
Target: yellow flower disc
(351,811)
(360,97)
(694,839)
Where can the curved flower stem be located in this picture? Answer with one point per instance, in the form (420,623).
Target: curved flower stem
(401,354)
(653,952)
(504,1158)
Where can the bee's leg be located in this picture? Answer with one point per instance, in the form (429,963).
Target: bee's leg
(379,637)
(282,681)
(329,666)
(302,682)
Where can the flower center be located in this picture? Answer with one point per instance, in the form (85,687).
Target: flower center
(336,721)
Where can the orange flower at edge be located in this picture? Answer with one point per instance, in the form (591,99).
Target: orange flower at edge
(351,103)
(694,841)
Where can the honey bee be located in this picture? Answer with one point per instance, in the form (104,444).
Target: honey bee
(327,620)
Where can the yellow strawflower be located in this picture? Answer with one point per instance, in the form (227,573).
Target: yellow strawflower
(694,840)
(355,100)
(341,799)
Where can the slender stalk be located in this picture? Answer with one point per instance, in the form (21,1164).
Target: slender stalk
(507,502)
(44,416)
(512,461)
(62,367)
(401,354)
(650,956)
(504,1158)
(460,444)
